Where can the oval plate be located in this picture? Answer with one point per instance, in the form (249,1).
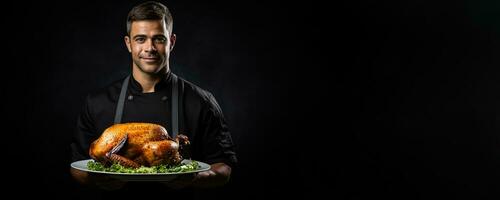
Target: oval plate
(82,166)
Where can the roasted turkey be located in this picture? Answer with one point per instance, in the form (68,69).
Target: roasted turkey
(136,144)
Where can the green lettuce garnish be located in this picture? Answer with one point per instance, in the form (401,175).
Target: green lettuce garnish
(183,167)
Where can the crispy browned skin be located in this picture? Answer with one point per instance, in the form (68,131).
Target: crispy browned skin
(143,144)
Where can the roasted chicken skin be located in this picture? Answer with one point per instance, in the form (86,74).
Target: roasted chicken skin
(136,144)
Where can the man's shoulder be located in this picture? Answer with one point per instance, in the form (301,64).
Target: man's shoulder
(199,98)
(195,92)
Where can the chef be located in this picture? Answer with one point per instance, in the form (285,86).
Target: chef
(153,94)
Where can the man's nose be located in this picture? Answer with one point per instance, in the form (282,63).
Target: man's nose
(150,46)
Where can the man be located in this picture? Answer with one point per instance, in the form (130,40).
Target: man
(149,95)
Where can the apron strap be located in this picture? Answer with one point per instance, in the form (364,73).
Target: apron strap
(121,101)
(175,106)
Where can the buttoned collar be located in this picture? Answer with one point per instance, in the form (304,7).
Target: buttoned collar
(135,87)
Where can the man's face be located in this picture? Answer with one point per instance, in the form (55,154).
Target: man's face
(150,44)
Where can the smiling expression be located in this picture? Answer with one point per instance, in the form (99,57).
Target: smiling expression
(150,44)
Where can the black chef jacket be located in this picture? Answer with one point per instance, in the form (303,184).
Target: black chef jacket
(202,119)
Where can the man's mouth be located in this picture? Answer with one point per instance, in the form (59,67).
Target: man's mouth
(150,58)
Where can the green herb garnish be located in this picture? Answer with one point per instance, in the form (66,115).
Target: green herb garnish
(184,167)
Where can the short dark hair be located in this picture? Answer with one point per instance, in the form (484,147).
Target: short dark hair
(150,10)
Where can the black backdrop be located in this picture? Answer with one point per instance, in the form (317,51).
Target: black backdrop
(354,100)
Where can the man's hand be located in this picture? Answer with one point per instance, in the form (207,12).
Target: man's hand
(105,182)
(182,181)
(218,175)
(101,181)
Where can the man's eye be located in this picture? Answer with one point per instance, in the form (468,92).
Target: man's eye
(140,40)
(160,40)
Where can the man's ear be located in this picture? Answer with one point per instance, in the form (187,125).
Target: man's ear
(127,42)
(172,41)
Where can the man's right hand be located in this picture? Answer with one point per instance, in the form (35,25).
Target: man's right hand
(101,181)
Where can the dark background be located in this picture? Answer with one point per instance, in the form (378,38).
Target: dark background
(350,99)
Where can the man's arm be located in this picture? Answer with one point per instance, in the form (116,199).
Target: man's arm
(84,134)
(218,147)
